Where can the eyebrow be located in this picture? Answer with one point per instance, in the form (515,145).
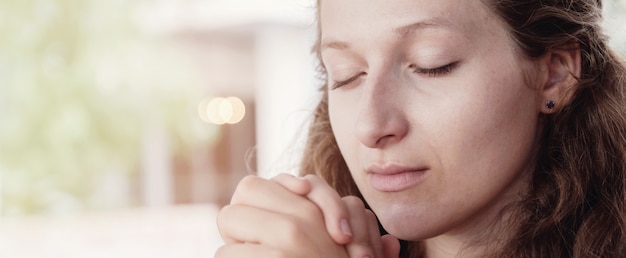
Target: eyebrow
(401,32)
(339,45)
(405,30)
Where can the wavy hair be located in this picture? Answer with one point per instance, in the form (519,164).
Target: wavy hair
(576,203)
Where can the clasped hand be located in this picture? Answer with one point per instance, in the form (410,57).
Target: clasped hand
(288,216)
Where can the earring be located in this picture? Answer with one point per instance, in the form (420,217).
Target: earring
(550,104)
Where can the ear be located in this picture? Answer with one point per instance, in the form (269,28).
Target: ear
(561,68)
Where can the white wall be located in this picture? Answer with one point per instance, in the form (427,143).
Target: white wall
(286,92)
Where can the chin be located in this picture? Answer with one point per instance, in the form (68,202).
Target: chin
(407,227)
(401,231)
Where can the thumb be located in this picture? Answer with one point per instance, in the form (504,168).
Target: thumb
(391,246)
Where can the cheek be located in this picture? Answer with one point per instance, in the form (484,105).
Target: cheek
(343,111)
(342,119)
(492,130)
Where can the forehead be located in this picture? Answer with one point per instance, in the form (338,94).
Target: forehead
(355,19)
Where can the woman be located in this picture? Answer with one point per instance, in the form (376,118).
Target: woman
(492,128)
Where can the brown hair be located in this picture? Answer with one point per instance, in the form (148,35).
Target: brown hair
(576,204)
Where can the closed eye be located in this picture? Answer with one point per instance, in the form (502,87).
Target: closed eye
(338,84)
(434,72)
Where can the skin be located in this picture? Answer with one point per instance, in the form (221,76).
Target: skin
(257,223)
(466,132)
(470,127)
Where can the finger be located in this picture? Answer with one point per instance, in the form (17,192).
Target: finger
(360,245)
(239,224)
(245,224)
(222,227)
(335,212)
(324,200)
(297,185)
(391,246)
(374,232)
(247,250)
(270,195)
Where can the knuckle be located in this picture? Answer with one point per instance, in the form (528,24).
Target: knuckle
(324,196)
(246,186)
(314,178)
(223,214)
(249,182)
(225,219)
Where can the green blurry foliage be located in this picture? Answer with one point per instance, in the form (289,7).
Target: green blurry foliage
(78,85)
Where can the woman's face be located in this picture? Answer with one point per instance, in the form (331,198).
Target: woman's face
(431,111)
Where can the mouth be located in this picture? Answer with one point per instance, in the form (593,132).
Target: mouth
(391,178)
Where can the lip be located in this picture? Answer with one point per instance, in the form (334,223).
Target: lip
(394,178)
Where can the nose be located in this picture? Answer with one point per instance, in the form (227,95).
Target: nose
(381,120)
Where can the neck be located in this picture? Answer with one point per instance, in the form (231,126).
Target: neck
(450,247)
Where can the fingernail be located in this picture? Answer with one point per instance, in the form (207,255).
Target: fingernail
(345,227)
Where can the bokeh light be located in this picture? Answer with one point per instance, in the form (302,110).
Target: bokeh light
(219,110)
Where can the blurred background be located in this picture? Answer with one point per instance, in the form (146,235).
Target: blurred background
(125,125)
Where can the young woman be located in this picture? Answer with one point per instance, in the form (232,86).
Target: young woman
(492,128)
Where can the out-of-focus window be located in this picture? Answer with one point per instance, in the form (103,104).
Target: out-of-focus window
(125,125)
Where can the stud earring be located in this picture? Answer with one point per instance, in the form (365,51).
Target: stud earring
(550,104)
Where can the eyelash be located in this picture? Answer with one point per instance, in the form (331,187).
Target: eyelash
(434,72)
(344,82)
